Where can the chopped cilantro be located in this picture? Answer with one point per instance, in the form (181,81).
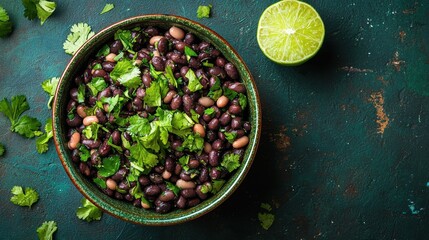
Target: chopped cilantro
(80,33)
(46,230)
(24,199)
(229,93)
(190,52)
(170,76)
(242,99)
(138,126)
(127,74)
(6,25)
(97,85)
(181,121)
(84,153)
(215,91)
(217,185)
(184,160)
(100,182)
(42,140)
(230,161)
(136,191)
(126,38)
(104,51)
(206,188)
(153,95)
(97,67)
(266,220)
(50,86)
(141,158)
(38,8)
(204,11)
(210,111)
(193,142)
(195,116)
(194,83)
(230,136)
(81,90)
(2,150)
(88,211)
(109,166)
(207,64)
(107,8)
(175,189)
(91,131)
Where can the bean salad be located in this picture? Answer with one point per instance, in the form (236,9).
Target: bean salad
(158,118)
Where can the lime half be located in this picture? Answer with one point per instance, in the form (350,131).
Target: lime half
(290,32)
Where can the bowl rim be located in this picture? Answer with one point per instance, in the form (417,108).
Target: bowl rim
(217,199)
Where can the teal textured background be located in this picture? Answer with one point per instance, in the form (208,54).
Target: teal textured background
(322,164)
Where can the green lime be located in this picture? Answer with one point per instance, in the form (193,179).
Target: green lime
(290,32)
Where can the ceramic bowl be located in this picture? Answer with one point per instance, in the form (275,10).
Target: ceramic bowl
(125,210)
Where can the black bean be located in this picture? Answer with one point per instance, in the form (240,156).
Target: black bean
(166,196)
(162,46)
(247,126)
(163,207)
(178,58)
(214,124)
(169,164)
(185,176)
(214,173)
(193,202)
(237,87)
(183,72)
(236,123)
(178,169)
(217,71)
(214,53)
(137,104)
(73,94)
(194,163)
(91,144)
(146,79)
(231,71)
(99,73)
(158,63)
(118,92)
(120,174)
(194,63)
(188,104)
(129,197)
(207,118)
(188,193)
(180,202)
(108,66)
(210,136)
(102,119)
(203,46)
(140,93)
(116,137)
(75,156)
(123,185)
(176,144)
(104,148)
(95,158)
(218,145)
(159,169)
(137,203)
(189,38)
(105,93)
(214,158)
(156,178)
(234,109)
(119,196)
(144,180)
(199,192)
(152,190)
(116,46)
(75,121)
(71,106)
(151,31)
(108,192)
(204,175)
(87,76)
(78,80)
(180,46)
(225,119)
(203,56)
(92,100)
(84,169)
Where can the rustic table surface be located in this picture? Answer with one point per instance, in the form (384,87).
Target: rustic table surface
(343,153)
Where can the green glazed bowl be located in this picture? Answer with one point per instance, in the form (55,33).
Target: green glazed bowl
(124,210)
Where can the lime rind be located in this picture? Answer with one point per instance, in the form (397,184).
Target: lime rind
(290,32)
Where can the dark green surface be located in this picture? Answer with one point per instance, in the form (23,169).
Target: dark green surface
(339,178)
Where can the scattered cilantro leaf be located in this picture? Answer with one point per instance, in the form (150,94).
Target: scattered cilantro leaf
(190,52)
(46,230)
(136,191)
(84,153)
(42,140)
(79,34)
(184,160)
(153,95)
(50,86)
(91,131)
(38,8)
(193,142)
(138,126)
(175,189)
(109,166)
(210,111)
(88,211)
(194,83)
(2,150)
(81,90)
(141,158)
(204,11)
(230,161)
(126,38)
(242,99)
(127,74)
(231,94)
(195,116)
(104,51)
(27,126)
(100,182)
(215,91)
(217,185)
(181,121)
(170,76)
(107,8)
(266,220)
(207,64)
(24,199)
(6,25)
(97,85)
(266,206)
(230,136)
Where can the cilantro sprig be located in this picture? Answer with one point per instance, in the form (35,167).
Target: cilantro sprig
(6,26)
(41,9)
(24,198)
(2,150)
(42,140)
(79,34)
(107,8)
(88,211)
(46,230)
(50,86)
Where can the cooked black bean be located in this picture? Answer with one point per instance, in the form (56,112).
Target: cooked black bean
(203,113)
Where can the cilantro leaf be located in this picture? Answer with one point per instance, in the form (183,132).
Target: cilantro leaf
(126,38)
(108,7)
(84,153)
(46,230)
(138,126)
(190,52)
(24,199)
(215,91)
(194,83)
(184,160)
(229,93)
(38,8)
(127,74)
(109,166)
(5,23)
(193,142)
(242,99)
(100,182)
(175,189)
(79,34)
(14,108)
(42,140)
(230,161)
(50,86)
(181,121)
(91,131)
(217,185)
(142,159)
(97,85)
(230,136)
(104,51)
(136,191)
(2,150)
(170,76)
(153,95)
(210,111)
(81,90)
(266,220)
(204,11)
(27,127)
(88,211)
